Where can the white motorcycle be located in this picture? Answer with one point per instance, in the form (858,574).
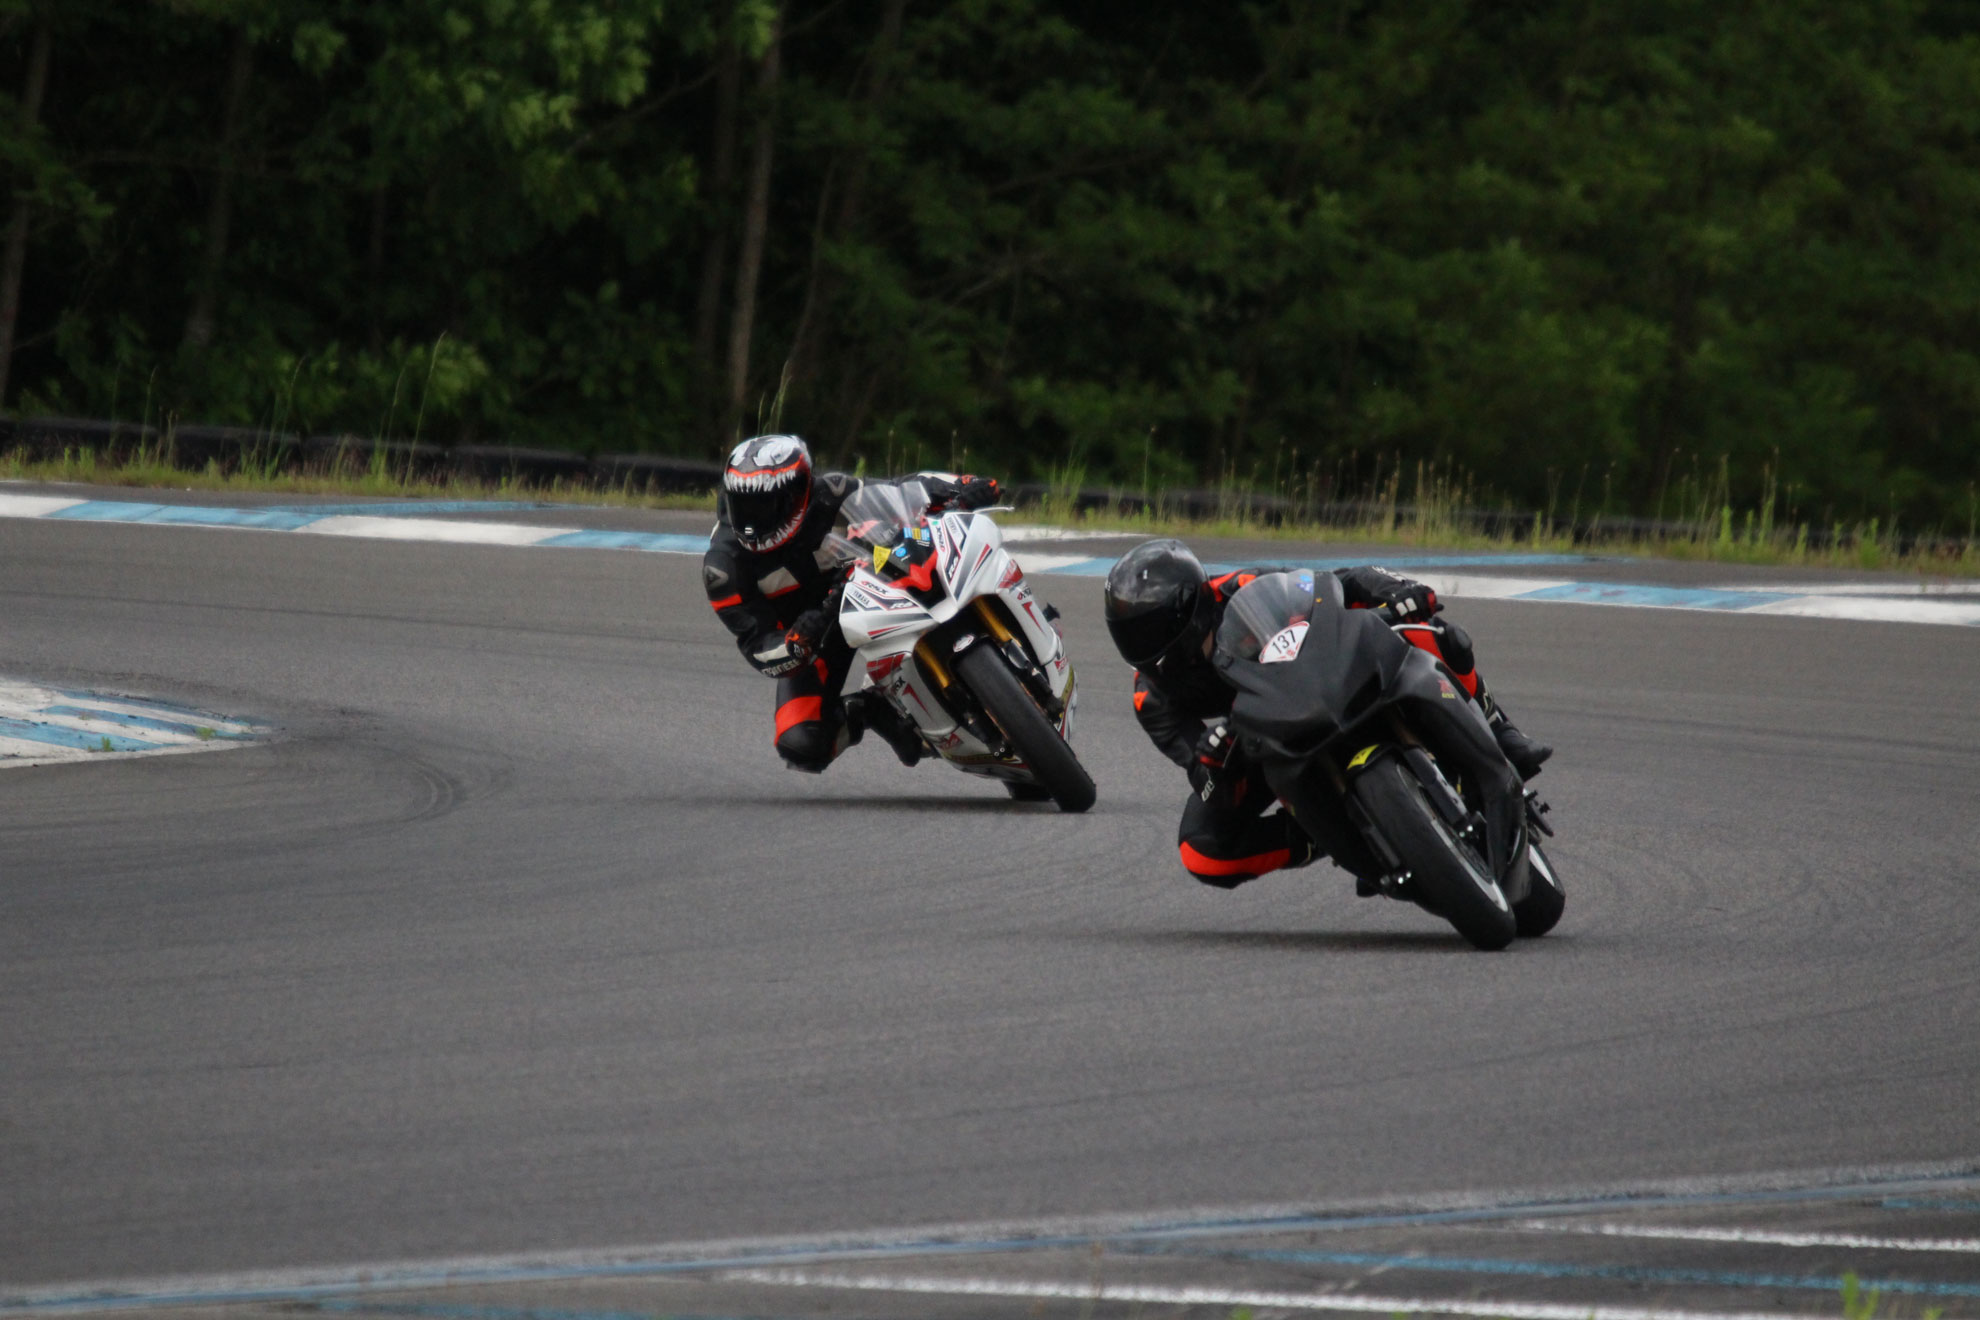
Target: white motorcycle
(948,631)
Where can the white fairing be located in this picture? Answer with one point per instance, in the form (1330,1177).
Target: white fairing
(882,623)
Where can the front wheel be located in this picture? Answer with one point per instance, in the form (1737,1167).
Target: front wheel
(1537,913)
(1451,878)
(1036,741)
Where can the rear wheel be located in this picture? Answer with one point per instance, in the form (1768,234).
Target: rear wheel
(1448,874)
(1034,737)
(1545,899)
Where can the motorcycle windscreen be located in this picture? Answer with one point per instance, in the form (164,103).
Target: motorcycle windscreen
(879,513)
(1304,665)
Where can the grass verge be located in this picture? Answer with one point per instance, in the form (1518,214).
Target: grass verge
(1434,520)
(1404,527)
(378,480)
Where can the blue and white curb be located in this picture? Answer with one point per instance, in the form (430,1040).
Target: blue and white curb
(954,1259)
(43,726)
(1936,603)
(389,524)
(1945,603)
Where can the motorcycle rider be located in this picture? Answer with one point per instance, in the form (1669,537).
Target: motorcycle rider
(1163,610)
(774,585)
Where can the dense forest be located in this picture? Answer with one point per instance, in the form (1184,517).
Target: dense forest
(1622,246)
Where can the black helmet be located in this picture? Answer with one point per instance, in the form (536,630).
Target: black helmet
(768,489)
(1156,605)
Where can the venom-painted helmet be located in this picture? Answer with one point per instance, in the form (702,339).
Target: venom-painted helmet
(1156,605)
(767,487)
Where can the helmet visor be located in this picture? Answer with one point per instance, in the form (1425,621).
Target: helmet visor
(1164,631)
(1142,638)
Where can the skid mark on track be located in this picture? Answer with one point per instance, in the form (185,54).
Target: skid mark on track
(435,778)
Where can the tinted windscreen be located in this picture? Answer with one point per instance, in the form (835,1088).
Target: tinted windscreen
(1264,609)
(877,513)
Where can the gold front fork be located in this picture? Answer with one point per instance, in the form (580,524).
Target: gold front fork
(932,664)
(991,621)
(936,667)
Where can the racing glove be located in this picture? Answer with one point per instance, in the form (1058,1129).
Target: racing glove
(807,633)
(965,492)
(1413,604)
(977,492)
(1216,771)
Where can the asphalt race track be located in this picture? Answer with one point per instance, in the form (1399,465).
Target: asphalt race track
(518,938)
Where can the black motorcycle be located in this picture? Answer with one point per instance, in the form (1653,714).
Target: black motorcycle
(1380,758)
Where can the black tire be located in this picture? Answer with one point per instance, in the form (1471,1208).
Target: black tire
(1026,792)
(1033,736)
(1451,878)
(1537,913)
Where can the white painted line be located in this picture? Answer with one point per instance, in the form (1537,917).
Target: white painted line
(1756,1236)
(1470,586)
(1875,609)
(1032,563)
(1968,587)
(1161,1295)
(832,1250)
(18,755)
(431,529)
(1021,533)
(34,506)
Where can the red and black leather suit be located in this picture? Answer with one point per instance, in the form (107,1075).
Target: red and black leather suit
(1226,837)
(760,597)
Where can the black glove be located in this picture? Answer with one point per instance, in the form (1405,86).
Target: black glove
(806,633)
(976,492)
(1217,770)
(1414,604)
(965,492)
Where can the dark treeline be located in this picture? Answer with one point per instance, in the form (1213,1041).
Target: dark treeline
(1618,247)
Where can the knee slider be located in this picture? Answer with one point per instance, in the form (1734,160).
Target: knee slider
(1221,881)
(1206,868)
(808,746)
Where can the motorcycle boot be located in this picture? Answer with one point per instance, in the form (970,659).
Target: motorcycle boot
(870,710)
(1526,755)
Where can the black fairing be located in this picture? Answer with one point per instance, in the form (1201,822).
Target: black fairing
(1351,671)
(1347,660)
(1457,735)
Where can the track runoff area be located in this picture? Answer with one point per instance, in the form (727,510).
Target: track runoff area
(1793,1244)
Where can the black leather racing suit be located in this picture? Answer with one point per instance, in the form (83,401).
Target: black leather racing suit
(1227,838)
(759,596)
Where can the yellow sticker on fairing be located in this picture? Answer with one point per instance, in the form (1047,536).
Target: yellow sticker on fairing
(1361,757)
(880,553)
